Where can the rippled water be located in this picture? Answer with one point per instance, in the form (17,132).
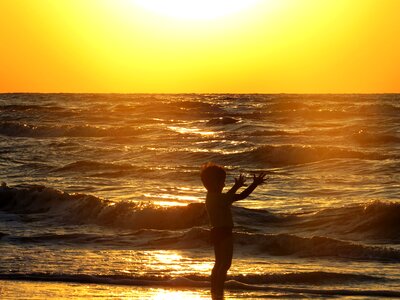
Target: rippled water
(112,180)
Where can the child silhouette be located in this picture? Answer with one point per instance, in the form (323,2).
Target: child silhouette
(218,206)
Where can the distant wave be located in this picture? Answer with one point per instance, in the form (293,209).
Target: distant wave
(273,133)
(293,154)
(379,108)
(288,111)
(222,121)
(285,155)
(30,107)
(99,169)
(208,106)
(15,129)
(185,109)
(321,110)
(368,138)
(276,156)
(369,135)
(88,165)
(253,282)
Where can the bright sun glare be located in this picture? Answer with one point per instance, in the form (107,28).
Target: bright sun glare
(196,9)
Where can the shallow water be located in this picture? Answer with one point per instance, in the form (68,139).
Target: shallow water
(104,189)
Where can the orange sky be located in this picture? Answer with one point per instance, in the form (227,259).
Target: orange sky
(271,46)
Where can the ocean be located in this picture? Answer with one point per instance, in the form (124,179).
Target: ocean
(101,195)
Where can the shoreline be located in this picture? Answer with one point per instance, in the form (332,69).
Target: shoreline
(21,289)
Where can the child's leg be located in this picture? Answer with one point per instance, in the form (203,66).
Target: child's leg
(223,259)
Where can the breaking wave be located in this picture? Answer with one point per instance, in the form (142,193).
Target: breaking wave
(253,282)
(374,220)
(274,278)
(285,245)
(185,227)
(198,238)
(82,208)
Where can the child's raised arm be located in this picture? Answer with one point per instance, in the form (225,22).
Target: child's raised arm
(257,180)
(239,182)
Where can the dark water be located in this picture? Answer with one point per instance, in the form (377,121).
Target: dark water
(112,180)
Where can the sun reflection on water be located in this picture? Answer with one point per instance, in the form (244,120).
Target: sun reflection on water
(167,257)
(185,130)
(168,200)
(170,196)
(176,295)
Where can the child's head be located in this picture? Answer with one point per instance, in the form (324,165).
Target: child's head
(213,177)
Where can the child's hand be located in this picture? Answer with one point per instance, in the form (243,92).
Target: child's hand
(239,181)
(260,179)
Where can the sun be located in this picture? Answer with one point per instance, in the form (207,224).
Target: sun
(196,9)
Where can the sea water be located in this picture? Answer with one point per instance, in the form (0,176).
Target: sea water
(102,196)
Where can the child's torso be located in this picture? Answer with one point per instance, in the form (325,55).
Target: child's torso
(219,209)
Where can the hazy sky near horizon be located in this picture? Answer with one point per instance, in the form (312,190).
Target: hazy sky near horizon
(219,46)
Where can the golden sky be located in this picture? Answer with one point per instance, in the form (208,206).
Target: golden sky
(218,46)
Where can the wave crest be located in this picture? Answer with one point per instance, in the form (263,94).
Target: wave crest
(82,208)
(285,245)
(15,129)
(284,155)
(375,220)
(198,280)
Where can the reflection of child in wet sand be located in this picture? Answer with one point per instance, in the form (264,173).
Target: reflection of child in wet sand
(218,206)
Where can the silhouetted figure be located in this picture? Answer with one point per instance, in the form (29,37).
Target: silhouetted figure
(218,206)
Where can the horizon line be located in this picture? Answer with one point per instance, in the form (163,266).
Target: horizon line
(214,93)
